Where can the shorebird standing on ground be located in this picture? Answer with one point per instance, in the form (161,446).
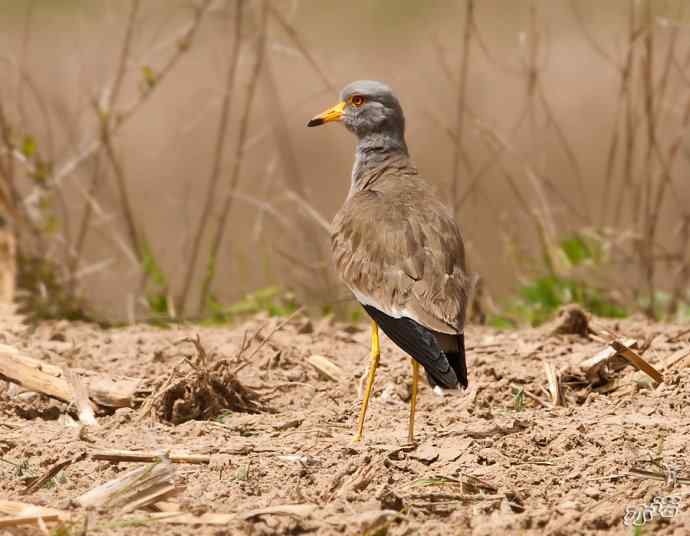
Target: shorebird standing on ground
(397,247)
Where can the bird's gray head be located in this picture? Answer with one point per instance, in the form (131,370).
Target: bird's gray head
(366,107)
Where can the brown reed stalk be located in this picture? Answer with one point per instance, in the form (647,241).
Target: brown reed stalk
(625,72)
(182,45)
(461,100)
(219,234)
(116,120)
(218,153)
(532,69)
(106,118)
(683,276)
(627,185)
(14,209)
(596,46)
(301,46)
(77,248)
(565,144)
(665,178)
(290,170)
(646,250)
(9,195)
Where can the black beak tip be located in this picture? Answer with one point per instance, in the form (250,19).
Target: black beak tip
(315,122)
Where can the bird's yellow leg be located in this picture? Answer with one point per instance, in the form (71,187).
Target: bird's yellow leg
(373,365)
(413,400)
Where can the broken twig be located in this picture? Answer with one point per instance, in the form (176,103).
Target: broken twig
(327,368)
(554,383)
(636,361)
(52,472)
(135,489)
(148,456)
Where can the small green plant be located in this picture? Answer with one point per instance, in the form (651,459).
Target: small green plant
(661,309)
(157,294)
(378,531)
(24,468)
(272,300)
(519,399)
(43,293)
(568,279)
(223,415)
(347,310)
(62,530)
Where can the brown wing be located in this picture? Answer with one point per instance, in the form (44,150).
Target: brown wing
(399,250)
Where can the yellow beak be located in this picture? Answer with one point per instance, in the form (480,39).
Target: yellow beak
(332,114)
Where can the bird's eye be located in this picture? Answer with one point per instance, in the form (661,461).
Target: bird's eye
(357,101)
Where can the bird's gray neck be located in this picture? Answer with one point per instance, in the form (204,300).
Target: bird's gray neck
(375,154)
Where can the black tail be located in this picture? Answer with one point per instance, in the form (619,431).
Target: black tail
(457,361)
(419,343)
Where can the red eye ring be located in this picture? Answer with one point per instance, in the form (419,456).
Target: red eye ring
(357,100)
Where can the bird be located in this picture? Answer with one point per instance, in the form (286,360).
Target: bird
(397,247)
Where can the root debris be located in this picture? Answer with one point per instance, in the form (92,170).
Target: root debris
(204,392)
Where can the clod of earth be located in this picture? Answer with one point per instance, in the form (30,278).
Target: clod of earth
(571,320)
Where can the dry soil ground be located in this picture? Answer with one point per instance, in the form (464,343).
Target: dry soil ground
(488,460)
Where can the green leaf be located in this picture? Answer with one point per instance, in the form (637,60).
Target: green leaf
(501,322)
(544,291)
(29,147)
(158,303)
(272,300)
(149,76)
(576,249)
(151,267)
(42,170)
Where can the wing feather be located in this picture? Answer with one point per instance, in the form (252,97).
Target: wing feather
(398,249)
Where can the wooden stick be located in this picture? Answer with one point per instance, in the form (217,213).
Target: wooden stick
(676,358)
(119,393)
(679,336)
(181,518)
(529,395)
(636,361)
(166,506)
(50,473)
(148,456)
(50,380)
(593,366)
(327,368)
(81,397)
(33,374)
(154,496)
(134,489)
(294,510)
(10,521)
(641,473)
(554,381)
(21,513)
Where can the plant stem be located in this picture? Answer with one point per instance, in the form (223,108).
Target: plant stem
(461,98)
(218,153)
(237,161)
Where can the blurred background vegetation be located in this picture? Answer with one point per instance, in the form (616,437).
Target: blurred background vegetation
(154,163)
